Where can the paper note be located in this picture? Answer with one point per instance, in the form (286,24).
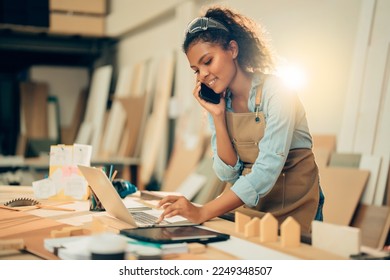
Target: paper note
(65,180)
(44,188)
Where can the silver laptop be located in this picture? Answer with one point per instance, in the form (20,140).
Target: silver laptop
(113,204)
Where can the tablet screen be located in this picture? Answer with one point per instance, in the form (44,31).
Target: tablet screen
(175,234)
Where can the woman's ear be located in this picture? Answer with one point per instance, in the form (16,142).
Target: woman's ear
(233,47)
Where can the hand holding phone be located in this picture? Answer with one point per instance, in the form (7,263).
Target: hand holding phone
(209,95)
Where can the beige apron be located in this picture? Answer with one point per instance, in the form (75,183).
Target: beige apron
(296,191)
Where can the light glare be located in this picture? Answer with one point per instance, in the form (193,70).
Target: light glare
(293,76)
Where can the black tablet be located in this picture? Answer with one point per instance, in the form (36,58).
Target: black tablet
(164,235)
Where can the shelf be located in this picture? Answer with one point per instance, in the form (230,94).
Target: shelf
(22,47)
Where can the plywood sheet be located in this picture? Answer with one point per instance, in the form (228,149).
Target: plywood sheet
(114,129)
(372,163)
(388,189)
(33,101)
(322,157)
(134,109)
(345,160)
(32,229)
(343,188)
(324,141)
(158,119)
(96,108)
(374,222)
(69,134)
(182,162)
(213,186)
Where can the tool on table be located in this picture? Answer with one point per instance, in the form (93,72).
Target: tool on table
(25,204)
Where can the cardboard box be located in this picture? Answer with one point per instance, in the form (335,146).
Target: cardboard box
(77,24)
(80,6)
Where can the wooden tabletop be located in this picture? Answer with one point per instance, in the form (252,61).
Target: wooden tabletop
(36,225)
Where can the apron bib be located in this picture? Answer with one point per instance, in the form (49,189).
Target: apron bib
(296,191)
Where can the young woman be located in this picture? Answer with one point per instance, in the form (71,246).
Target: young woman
(260,138)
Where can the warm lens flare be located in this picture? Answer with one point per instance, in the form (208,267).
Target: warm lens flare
(293,76)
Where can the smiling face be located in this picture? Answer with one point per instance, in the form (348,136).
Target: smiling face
(213,65)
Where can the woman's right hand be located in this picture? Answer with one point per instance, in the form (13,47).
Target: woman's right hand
(213,109)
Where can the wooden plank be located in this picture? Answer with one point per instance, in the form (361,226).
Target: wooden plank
(133,111)
(149,91)
(182,162)
(373,164)
(123,84)
(370,102)
(322,157)
(343,188)
(325,141)
(117,115)
(388,189)
(157,123)
(69,134)
(353,98)
(114,129)
(134,105)
(382,147)
(213,186)
(374,222)
(96,108)
(351,160)
(33,108)
(32,229)
(323,146)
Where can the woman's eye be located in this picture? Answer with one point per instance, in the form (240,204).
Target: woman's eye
(196,72)
(208,62)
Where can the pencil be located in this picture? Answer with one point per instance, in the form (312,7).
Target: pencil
(113,175)
(111,168)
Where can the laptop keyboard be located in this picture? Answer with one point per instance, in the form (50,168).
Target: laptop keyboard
(145,218)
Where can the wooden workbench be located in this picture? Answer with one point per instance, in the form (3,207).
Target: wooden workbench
(36,225)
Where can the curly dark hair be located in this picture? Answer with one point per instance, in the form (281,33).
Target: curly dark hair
(255,53)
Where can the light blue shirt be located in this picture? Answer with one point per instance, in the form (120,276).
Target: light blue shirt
(286,129)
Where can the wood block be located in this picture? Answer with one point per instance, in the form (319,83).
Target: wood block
(240,221)
(268,228)
(12,244)
(59,233)
(97,226)
(196,248)
(252,228)
(74,231)
(290,233)
(98,7)
(341,240)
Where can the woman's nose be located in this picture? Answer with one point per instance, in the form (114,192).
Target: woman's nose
(203,74)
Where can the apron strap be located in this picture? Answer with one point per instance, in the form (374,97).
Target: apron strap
(259,95)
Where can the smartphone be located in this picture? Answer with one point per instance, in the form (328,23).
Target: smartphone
(209,95)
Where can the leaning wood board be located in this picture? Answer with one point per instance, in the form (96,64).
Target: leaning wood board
(343,188)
